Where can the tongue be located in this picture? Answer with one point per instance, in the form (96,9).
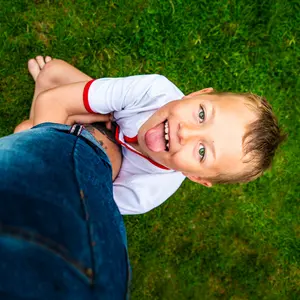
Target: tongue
(155,139)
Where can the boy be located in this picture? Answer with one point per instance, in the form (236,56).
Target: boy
(165,136)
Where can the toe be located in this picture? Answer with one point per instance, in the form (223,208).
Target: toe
(41,62)
(48,58)
(33,68)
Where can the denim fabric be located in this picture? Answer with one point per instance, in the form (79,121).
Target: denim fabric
(61,233)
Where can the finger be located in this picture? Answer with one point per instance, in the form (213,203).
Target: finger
(108,125)
(89,118)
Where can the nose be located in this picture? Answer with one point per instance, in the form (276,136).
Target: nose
(188,132)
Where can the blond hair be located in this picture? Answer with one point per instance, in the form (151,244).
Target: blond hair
(260,142)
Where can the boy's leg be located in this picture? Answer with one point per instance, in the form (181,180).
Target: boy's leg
(49,73)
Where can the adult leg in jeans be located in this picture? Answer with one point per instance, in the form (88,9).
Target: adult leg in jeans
(62,236)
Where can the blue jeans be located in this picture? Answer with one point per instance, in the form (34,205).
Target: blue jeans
(61,233)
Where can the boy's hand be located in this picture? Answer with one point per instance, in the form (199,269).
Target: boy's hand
(108,123)
(89,118)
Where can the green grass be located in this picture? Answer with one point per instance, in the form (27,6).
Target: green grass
(229,242)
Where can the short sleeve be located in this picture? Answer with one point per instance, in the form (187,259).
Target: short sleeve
(108,95)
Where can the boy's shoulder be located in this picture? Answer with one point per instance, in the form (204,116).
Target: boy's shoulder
(160,86)
(158,81)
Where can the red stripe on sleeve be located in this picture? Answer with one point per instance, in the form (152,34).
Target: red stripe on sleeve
(86,96)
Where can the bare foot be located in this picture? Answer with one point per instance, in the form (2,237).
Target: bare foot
(36,65)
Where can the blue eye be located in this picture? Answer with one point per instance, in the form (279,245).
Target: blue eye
(201,114)
(202,152)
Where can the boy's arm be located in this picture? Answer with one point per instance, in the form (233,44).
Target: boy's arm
(129,94)
(100,97)
(59,104)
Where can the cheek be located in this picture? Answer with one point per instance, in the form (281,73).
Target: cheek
(179,110)
(184,160)
(180,114)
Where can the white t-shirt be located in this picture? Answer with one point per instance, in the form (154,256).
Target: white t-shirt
(141,184)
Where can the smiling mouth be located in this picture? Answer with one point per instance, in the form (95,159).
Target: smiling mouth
(166,135)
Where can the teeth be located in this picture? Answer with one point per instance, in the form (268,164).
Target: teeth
(167,135)
(166,127)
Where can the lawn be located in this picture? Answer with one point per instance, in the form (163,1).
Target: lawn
(233,242)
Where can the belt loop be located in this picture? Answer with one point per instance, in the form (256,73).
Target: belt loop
(76,129)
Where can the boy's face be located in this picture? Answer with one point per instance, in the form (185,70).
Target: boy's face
(199,135)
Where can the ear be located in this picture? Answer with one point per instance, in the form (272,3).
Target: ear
(199,180)
(203,91)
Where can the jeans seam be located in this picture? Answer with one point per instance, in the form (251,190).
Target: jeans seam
(46,243)
(90,272)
